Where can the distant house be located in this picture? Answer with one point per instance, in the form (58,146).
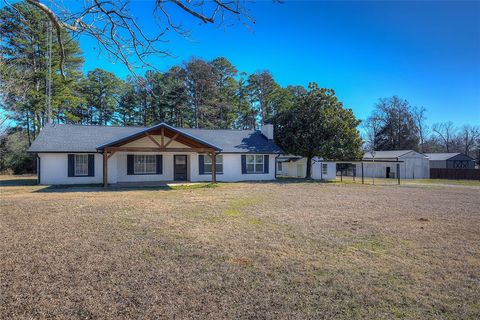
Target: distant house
(77,154)
(450,161)
(413,165)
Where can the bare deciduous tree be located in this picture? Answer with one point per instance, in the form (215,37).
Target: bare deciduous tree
(445,131)
(419,115)
(116,30)
(469,136)
(372,127)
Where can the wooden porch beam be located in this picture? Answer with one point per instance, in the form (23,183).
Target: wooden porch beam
(105,168)
(110,154)
(162,137)
(154,141)
(146,149)
(214,167)
(171,140)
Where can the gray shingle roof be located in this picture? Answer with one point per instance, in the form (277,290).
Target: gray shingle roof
(386,154)
(441,156)
(79,138)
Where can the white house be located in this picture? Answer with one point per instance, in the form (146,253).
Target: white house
(78,154)
(296,167)
(412,165)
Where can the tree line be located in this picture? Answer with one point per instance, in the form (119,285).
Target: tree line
(397,125)
(196,93)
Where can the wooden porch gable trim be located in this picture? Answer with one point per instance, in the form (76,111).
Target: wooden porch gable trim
(171,140)
(155,141)
(162,135)
(147,149)
(162,139)
(164,132)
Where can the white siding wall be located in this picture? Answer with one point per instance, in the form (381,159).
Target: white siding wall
(298,169)
(295,169)
(54,170)
(416,166)
(232,170)
(317,170)
(121,172)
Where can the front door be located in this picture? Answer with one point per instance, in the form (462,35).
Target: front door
(179,168)
(388,172)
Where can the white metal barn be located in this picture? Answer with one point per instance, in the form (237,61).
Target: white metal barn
(414,165)
(296,167)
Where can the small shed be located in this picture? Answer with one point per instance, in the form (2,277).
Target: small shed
(296,167)
(450,161)
(291,166)
(414,165)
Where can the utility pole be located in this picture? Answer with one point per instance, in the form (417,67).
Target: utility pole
(48,80)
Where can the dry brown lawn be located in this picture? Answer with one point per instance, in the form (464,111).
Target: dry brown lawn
(243,250)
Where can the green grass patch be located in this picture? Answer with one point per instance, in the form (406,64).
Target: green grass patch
(242,203)
(194,186)
(376,245)
(254,221)
(232,212)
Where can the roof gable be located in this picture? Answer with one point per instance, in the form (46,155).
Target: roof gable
(156,129)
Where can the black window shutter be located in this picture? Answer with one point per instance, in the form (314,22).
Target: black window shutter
(265,163)
(91,165)
(244,164)
(71,165)
(201,164)
(129,164)
(159,164)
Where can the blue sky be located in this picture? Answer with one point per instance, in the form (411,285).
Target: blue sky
(425,52)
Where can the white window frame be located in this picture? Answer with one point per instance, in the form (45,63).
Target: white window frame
(141,166)
(80,165)
(207,164)
(324,168)
(258,159)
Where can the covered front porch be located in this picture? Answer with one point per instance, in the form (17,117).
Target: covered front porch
(160,154)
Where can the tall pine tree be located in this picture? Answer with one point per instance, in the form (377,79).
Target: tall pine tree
(24,68)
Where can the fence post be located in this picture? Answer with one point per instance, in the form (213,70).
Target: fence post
(398,172)
(362,174)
